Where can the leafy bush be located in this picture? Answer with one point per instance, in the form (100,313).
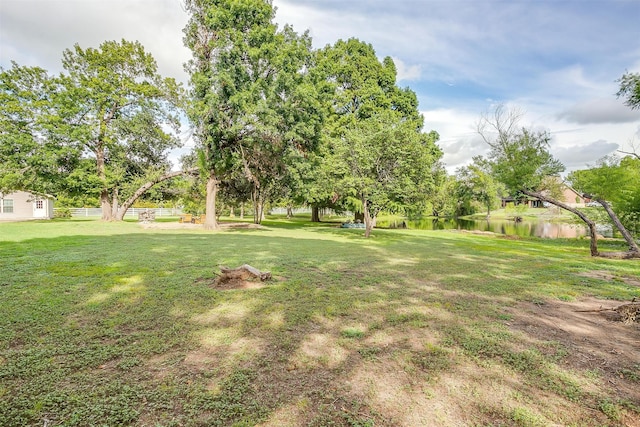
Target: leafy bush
(62,213)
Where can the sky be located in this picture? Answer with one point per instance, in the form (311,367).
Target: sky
(556,60)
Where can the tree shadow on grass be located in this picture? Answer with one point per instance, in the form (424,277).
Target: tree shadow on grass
(124,329)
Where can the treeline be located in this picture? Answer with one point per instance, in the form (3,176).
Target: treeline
(273,121)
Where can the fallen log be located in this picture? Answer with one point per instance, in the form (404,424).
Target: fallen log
(629,313)
(620,255)
(244,272)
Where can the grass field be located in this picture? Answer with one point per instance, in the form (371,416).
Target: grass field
(110,324)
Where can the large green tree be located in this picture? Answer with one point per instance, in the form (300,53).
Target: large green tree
(252,101)
(312,180)
(377,153)
(31,156)
(109,106)
(387,164)
(116,105)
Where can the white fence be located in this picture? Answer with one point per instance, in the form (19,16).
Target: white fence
(307,210)
(131,213)
(283,211)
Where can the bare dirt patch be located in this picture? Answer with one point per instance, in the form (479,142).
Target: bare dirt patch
(230,284)
(224,283)
(236,284)
(595,341)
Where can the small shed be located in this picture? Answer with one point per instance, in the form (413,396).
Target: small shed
(23,205)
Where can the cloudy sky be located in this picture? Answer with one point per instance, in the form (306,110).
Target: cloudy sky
(558,60)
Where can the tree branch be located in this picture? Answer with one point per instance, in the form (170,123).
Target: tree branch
(140,191)
(631,153)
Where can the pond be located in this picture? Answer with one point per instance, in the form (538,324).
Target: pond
(550,230)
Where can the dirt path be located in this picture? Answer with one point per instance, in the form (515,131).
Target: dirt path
(594,341)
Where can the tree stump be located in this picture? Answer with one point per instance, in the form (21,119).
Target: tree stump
(241,274)
(629,313)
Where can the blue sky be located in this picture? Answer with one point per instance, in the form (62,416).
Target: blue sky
(555,59)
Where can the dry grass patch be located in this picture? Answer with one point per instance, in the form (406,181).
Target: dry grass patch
(319,350)
(611,277)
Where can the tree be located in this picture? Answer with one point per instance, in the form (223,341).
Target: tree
(313,178)
(475,182)
(110,106)
(520,159)
(614,182)
(387,164)
(444,201)
(630,89)
(376,150)
(115,105)
(251,101)
(31,157)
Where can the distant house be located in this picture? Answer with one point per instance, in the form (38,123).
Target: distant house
(22,205)
(569,196)
(572,198)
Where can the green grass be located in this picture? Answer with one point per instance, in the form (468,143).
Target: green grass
(552,214)
(110,324)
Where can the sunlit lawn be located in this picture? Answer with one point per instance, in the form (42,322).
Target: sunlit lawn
(111,324)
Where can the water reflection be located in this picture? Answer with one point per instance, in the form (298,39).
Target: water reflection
(543,229)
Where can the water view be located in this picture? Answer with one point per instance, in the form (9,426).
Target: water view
(551,230)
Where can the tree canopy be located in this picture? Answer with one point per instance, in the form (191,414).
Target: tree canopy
(328,127)
(475,182)
(376,152)
(110,107)
(252,100)
(31,157)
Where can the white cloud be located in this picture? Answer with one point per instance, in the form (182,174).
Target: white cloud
(36,32)
(607,110)
(407,72)
(459,140)
(579,156)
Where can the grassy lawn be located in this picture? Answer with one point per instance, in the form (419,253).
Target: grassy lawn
(112,324)
(546,214)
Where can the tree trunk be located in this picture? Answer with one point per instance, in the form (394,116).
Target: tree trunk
(592,225)
(242,210)
(231,212)
(315,213)
(210,222)
(258,206)
(633,246)
(289,212)
(145,187)
(114,204)
(105,205)
(368,221)
(358,216)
